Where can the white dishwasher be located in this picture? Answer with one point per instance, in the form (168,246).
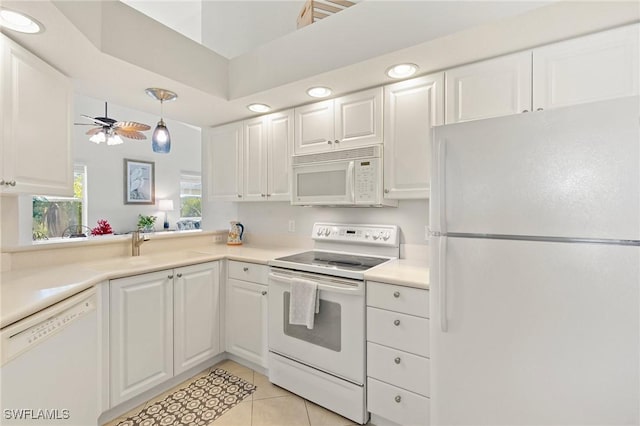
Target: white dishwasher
(49,370)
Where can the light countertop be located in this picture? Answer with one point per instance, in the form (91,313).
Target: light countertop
(409,273)
(24,292)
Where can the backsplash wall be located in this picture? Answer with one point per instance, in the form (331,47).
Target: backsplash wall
(273,218)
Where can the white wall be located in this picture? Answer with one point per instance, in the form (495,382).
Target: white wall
(105,174)
(272,218)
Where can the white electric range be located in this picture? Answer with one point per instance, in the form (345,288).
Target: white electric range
(326,364)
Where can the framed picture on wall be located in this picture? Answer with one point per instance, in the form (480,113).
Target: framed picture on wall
(139,182)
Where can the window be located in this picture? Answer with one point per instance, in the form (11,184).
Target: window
(55,217)
(190,196)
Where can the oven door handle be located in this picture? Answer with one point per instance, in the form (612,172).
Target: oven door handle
(333,287)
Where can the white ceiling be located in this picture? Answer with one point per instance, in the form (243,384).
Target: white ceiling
(114,52)
(229,28)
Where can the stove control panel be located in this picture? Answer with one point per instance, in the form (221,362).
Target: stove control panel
(383,235)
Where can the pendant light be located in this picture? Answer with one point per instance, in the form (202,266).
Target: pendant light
(161,139)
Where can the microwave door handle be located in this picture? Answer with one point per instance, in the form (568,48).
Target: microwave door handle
(351,181)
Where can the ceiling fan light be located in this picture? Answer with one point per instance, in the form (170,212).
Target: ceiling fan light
(99,137)
(114,140)
(161,139)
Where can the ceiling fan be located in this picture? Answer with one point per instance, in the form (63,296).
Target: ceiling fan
(110,130)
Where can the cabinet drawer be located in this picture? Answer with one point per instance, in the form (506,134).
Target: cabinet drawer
(397,405)
(412,301)
(248,272)
(405,332)
(398,368)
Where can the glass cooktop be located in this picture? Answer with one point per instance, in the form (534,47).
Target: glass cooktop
(344,261)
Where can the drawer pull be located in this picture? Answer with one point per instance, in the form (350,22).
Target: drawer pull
(245,269)
(396,322)
(396,294)
(170,277)
(179,275)
(264,293)
(397,360)
(398,398)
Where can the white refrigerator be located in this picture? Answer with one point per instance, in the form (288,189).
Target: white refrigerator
(535,269)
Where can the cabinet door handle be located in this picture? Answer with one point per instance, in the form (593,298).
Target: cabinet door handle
(397,360)
(264,293)
(329,142)
(170,277)
(239,195)
(525,110)
(263,195)
(540,109)
(2,182)
(398,398)
(386,191)
(245,269)
(179,275)
(396,294)
(396,323)
(336,141)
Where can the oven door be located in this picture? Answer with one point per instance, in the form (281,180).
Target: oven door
(336,344)
(322,184)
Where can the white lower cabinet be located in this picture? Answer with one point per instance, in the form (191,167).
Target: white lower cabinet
(398,370)
(161,324)
(246,311)
(196,322)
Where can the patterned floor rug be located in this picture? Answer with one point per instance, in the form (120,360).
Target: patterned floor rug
(198,404)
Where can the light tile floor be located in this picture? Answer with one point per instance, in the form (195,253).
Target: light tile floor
(268,405)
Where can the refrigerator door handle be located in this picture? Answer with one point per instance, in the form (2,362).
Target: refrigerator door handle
(442,281)
(437,202)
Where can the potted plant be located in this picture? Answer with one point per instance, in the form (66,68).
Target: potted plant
(145,223)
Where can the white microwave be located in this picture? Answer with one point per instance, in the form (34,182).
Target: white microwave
(348,177)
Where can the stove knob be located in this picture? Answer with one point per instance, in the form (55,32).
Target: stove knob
(386,236)
(376,236)
(319,231)
(327,232)
(367,235)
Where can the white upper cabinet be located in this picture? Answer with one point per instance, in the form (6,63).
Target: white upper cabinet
(314,127)
(254,174)
(492,88)
(346,122)
(36,124)
(280,143)
(222,162)
(586,69)
(268,142)
(411,108)
(358,119)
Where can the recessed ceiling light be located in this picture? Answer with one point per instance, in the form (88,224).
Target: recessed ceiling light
(319,92)
(19,22)
(402,70)
(259,107)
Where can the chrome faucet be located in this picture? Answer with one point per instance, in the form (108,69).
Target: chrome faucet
(137,238)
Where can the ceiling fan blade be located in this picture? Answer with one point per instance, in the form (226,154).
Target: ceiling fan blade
(131,125)
(131,134)
(97,121)
(84,124)
(94,131)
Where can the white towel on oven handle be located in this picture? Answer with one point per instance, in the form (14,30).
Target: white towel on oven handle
(304,302)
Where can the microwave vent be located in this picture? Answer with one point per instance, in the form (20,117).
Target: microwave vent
(343,154)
